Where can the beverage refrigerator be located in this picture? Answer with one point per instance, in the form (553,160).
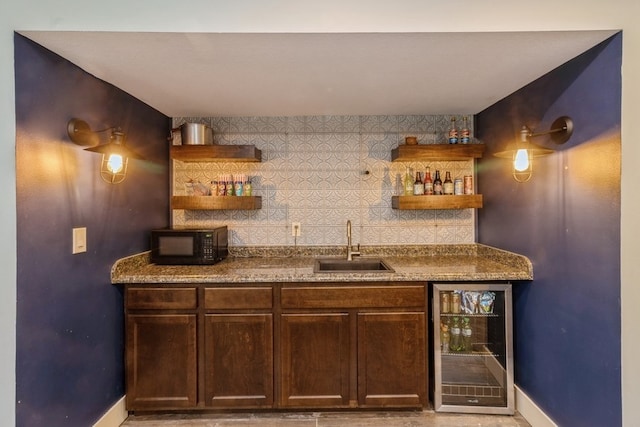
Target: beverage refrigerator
(473,348)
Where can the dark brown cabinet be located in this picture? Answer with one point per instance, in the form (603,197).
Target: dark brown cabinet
(392,359)
(307,345)
(238,358)
(161,361)
(315,360)
(161,348)
(354,345)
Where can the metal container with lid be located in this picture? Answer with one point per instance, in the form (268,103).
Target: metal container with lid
(194,134)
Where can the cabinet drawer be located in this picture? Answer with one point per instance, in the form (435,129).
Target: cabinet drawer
(161,298)
(353,297)
(238,298)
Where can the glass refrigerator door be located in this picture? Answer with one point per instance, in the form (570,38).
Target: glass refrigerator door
(473,357)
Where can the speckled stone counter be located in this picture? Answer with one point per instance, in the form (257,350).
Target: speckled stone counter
(295,264)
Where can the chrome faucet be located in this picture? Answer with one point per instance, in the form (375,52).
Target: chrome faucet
(350,251)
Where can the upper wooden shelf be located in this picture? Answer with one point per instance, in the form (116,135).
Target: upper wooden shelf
(216,153)
(437,152)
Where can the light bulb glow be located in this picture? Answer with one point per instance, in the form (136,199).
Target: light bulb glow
(115,163)
(521,160)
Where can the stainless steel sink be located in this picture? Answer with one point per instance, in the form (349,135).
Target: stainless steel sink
(358,265)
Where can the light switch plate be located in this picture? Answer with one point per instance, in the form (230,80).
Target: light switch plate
(79,240)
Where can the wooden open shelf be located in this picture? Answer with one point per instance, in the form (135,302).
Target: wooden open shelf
(431,152)
(216,202)
(216,153)
(437,202)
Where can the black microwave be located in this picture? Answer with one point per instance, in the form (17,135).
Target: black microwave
(189,247)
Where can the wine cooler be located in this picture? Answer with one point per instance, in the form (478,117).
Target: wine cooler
(473,356)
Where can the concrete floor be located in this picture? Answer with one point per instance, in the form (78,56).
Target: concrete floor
(328,419)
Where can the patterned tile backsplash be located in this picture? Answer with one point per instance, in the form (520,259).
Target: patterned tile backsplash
(321,171)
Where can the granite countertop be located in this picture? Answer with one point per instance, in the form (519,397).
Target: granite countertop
(473,262)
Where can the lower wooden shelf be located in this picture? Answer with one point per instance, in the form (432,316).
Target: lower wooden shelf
(216,202)
(437,202)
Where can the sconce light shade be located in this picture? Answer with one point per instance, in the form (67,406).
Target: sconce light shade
(523,151)
(115,155)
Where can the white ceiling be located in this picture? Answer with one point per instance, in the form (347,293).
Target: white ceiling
(248,74)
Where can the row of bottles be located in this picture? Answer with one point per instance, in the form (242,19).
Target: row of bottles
(436,186)
(463,137)
(456,336)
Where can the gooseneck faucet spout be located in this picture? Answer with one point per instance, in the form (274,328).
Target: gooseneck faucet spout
(350,251)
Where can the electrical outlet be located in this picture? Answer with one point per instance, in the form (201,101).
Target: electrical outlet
(79,240)
(295,229)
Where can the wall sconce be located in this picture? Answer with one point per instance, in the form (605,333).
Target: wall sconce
(523,151)
(115,155)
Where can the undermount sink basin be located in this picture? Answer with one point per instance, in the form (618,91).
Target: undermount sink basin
(359,265)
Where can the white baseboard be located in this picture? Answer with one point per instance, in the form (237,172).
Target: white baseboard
(531,412)
(114,416)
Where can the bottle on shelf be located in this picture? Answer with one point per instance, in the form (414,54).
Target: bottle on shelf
(447,185)
(418,186)
(408,183)
(455,302)
(465,133)
(445,302)
(466,334)
(248,188)
(456,335)
(453,132)
(437,184)
(428,182)
(445,337)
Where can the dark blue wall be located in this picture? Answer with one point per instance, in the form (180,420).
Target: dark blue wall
(70,345)
(567,221)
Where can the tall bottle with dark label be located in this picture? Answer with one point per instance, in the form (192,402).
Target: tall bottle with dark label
(428,183)
(453,132)
(437,184)
(418,186)
(447,185)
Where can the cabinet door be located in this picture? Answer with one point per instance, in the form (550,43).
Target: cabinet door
(315,360)
(391,359)
(161,361)
(239,360)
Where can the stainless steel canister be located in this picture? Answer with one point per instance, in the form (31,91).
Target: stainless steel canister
(195,134)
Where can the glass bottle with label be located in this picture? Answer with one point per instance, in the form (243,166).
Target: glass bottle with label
(447,185)
(437,184)
(445,337)
(466,334)
(453,132)
(465,134)
(428,183)
(456,335)
(408,183)
(418,186)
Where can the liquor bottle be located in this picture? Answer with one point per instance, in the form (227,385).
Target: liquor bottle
(466,334)
(453,132)
(445,337)
(428,183)
(465,134)
(456,335)
(418,186)
(447,185)
(437,184)
(408,183)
